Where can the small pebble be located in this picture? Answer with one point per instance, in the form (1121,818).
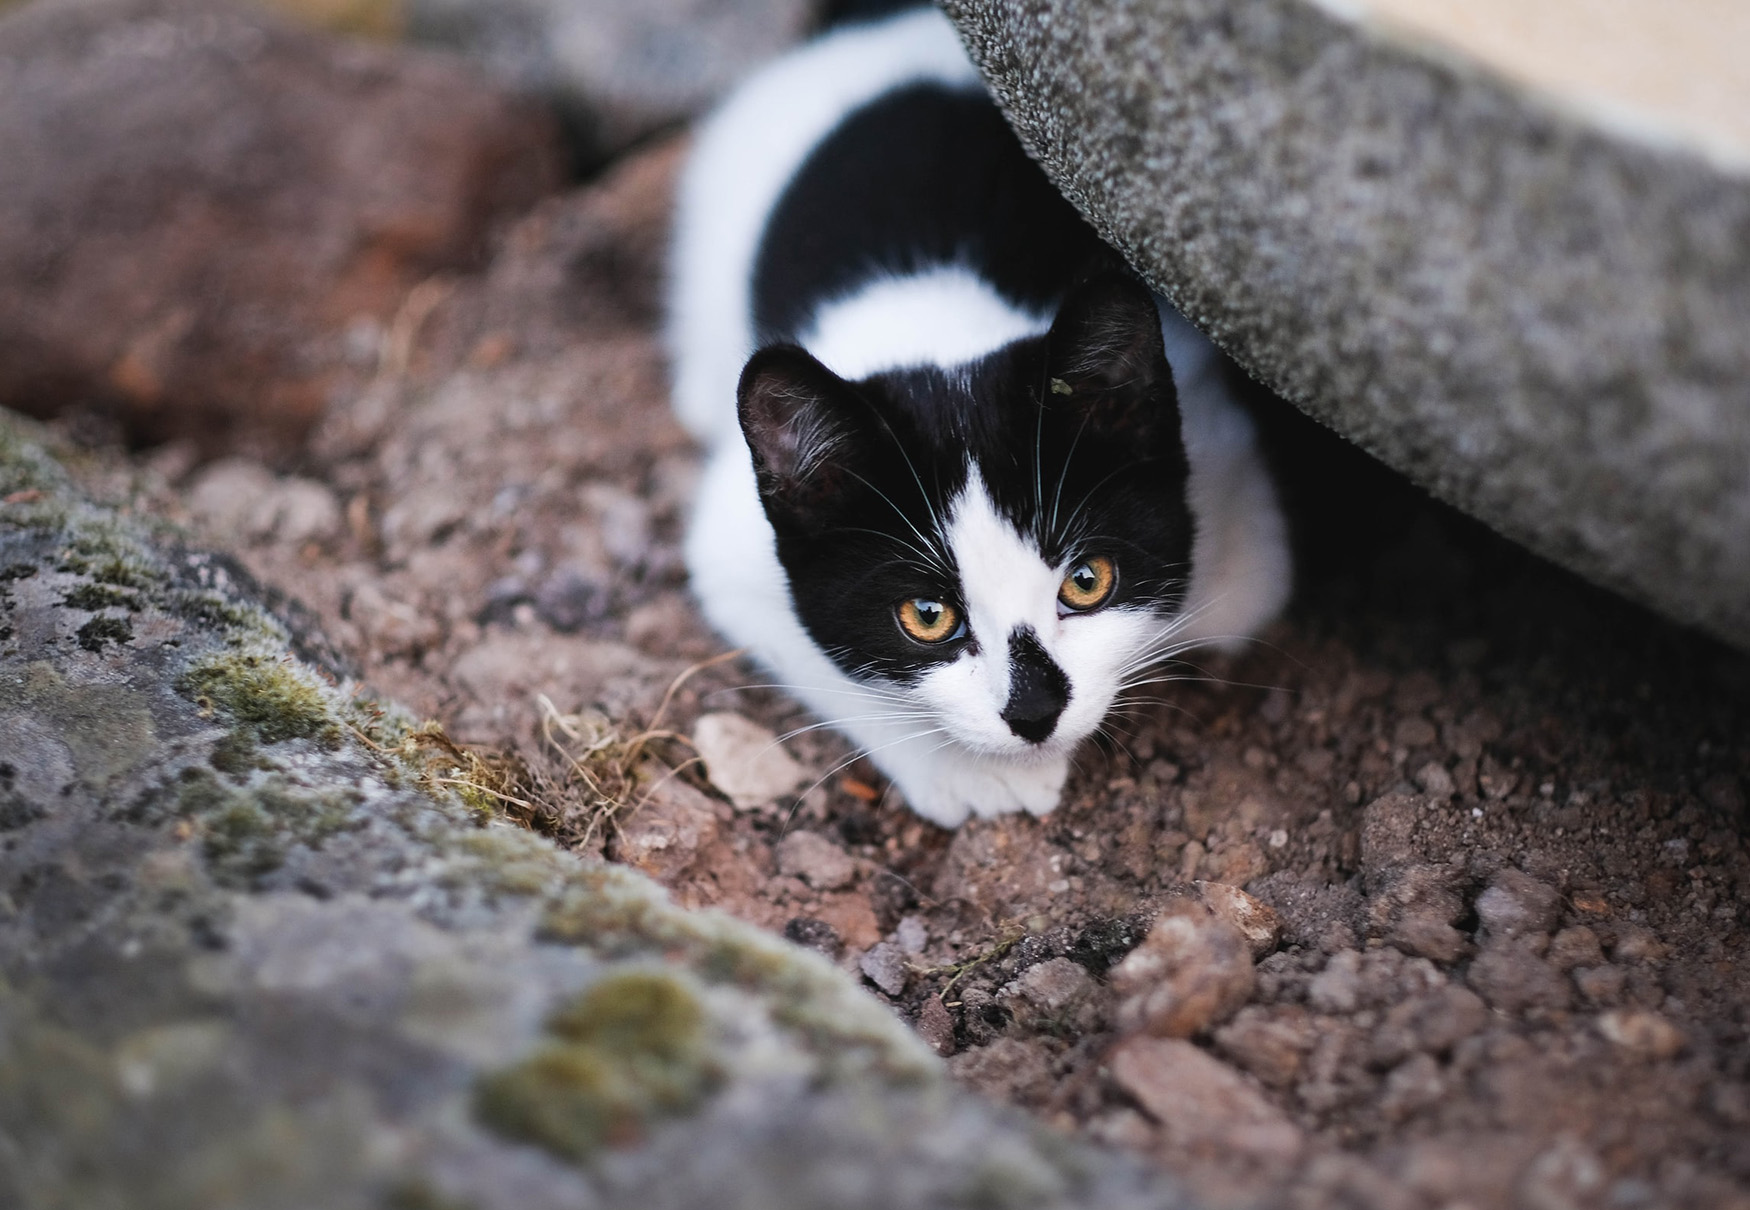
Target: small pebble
(1191,972)
(1431,1024)
(1054,994)
(1272,1045)
(1257,922)
(1435,780)
(744,760)
(1201,1102)
(1512,978)
(1412,1087)
(1601,985)
(1637,943)
(886,967)
(568,600)
(1572,947)
(1516,905)
(815,860)
(912,935)
(814,934)
(1641,1031)
(935,1025)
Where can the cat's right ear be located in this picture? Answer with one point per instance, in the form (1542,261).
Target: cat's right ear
(1106,359)
(797,416)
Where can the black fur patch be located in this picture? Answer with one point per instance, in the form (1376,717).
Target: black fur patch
(923,177)
(849,12)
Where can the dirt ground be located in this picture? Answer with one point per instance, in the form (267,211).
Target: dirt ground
(1492,820)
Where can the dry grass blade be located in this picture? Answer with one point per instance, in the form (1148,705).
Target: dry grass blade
(487,782)
(960,970)
(609,766)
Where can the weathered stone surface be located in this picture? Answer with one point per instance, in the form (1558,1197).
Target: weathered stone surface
(254,953)
(200,201)
(1534,314)
(619,69)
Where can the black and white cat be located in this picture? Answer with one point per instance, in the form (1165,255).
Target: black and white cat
(953,500)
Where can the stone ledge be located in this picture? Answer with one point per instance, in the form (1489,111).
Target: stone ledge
(1540,320)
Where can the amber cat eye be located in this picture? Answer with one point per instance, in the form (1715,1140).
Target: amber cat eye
(1088,584)
(928,621)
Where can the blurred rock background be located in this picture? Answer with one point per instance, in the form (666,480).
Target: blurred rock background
(213,215)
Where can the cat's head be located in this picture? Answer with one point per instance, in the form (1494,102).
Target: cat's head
(999,544)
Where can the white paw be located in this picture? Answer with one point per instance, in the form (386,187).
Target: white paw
(934,803)
(951,785)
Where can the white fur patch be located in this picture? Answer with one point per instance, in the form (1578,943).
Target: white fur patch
(1005,584)
(946,316)
(743,158)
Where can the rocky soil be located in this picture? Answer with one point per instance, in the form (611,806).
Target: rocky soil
(1437,897)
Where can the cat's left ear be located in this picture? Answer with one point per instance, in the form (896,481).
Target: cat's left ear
(1104,356)
(799,421)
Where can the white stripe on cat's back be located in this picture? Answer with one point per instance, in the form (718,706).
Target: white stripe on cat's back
(744,157)
(943,317)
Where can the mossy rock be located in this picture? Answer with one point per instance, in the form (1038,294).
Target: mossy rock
(257,955)
(627,1051)
(273,699)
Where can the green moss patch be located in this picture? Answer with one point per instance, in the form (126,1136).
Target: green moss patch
(209,609)
(625,1052)
(104,629)
(247,831)
(23,466)
(617,913)
(276,699)
(106,556)
(95,597)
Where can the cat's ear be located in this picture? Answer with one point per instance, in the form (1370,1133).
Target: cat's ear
(1104,356)
(799,419)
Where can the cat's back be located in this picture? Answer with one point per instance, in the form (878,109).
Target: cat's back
(869,158)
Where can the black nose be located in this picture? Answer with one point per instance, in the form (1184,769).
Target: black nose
(1038,690)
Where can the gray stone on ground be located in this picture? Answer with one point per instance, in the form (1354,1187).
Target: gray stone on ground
(1536,311)
(256,951)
